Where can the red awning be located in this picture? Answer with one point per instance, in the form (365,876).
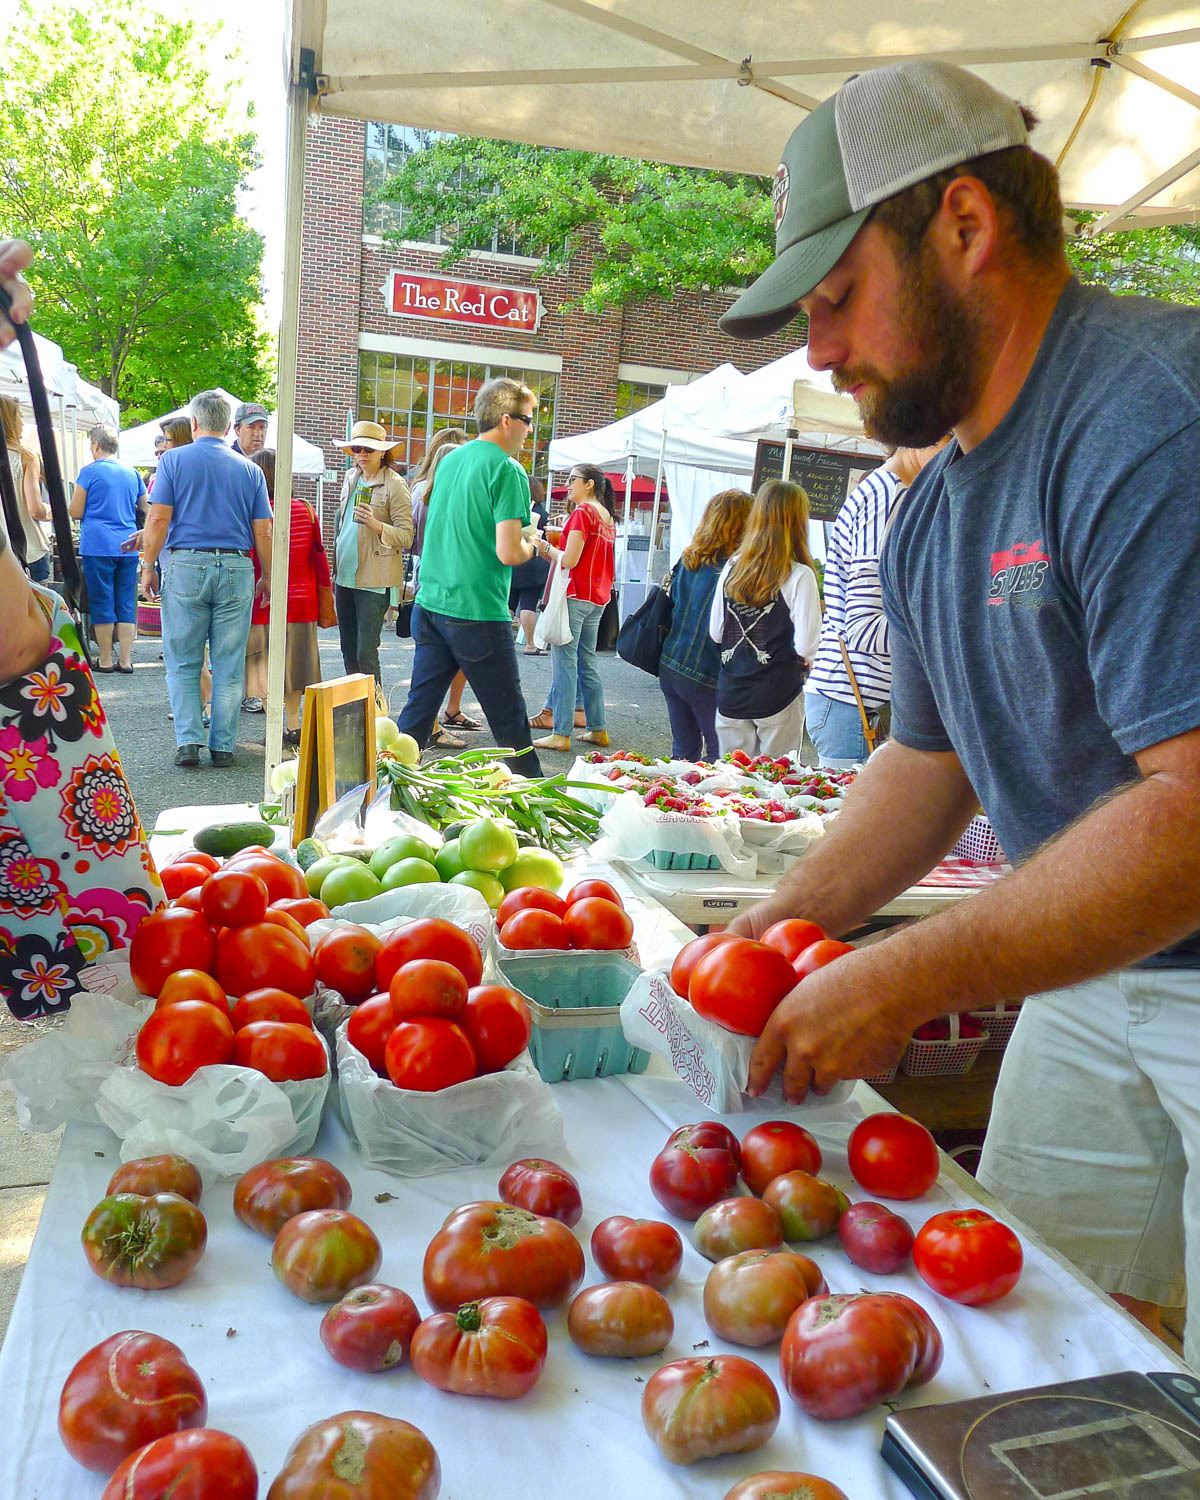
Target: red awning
(642,490)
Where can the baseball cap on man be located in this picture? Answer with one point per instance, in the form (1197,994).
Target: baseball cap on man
(881,132)
(249,411)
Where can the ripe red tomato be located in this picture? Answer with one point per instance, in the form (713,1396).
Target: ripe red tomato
(749,1297)
(325,1253)
(808,1207)
(638,1250)
(165,940)
(535,929)
(195,857)
(593,922)
(708,1133)
(305,909)
(426,987)
(176,879)
(268,1195)
(191,984)
(282,880)
(264,956)
(543,1188)
(701,1408)
(968,1256)
(369,1027)
(621,1319)
(690,955)
(428,1055)
(785,1484)
(283,1050)
(429,937)
(499,1025)
(775,1147)
(233,898)
(390,1459)
(792,936)
(736,1224)
(818,954)
(187,1466)
(893,1156)
(157,1174)
(124,1393)
(269,1005)
(529,898)
(190,1034)
(192,899)
(495,1250)
(371,1328)
(345,959)
(689,1175)
(494,1347)
(149,1243)
(875,1238)
(585,890)
(739,983)
(288,923)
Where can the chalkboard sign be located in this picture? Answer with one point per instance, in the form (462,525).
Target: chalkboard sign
(826,475)
(337,747)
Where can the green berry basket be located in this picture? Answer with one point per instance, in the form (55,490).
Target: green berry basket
(667,859)
(575,1002)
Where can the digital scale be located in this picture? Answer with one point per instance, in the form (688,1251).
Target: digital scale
(1111,1437)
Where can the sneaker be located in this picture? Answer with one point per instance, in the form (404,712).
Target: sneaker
(221,757)
(442,739)
(187,755)
(253,705)
(291,738)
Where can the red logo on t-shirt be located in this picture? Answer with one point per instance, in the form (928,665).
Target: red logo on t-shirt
(1018,570)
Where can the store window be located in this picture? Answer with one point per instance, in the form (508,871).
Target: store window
(633,395)
(414,398)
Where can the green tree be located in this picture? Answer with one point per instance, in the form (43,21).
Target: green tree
(1163,262)
(120,162)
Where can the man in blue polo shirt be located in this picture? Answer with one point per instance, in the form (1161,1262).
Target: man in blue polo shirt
(209,513)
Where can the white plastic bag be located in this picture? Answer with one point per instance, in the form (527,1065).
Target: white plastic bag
(630,831)
(57,1077)
(553,626)
(713,1062)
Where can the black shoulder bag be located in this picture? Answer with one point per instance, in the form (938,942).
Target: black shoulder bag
(641,638)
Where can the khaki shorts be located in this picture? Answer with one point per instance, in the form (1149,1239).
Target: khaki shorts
(1096,1111)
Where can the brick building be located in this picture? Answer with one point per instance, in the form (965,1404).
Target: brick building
(416,374)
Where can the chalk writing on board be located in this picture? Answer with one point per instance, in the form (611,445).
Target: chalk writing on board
(826,475)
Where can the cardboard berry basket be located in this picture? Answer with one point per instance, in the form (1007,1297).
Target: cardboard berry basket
(575,1000)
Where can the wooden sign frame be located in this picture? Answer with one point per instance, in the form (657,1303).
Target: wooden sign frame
(316,780)
(835,468)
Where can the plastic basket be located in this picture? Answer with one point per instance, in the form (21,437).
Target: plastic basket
(954,1055)
(979,843)
(878,1078)
(149,617)
(667,859)
(576,1008)
(1000,1021)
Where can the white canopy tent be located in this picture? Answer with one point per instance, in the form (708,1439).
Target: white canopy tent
(137,443)
(78,404)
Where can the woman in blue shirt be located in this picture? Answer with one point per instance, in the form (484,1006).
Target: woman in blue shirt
(107,495)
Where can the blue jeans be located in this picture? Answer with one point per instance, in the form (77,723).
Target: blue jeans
(207,597)
(573,668)
(835,729)
(484,650)
(360,615)
(39,571)
(692,710)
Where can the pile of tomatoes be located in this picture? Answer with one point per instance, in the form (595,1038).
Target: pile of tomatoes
(591,916)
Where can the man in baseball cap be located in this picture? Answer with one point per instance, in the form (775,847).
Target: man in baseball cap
(249,428)
(1038,585)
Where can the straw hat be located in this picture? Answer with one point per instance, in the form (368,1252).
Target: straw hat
(367,435)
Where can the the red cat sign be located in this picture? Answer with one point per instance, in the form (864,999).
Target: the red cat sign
(410,294)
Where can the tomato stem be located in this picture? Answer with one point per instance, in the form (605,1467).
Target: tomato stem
(468,1317)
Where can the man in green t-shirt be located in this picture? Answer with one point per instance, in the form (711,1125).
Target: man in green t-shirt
(473,540)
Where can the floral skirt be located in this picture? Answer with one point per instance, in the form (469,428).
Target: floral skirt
(76,876)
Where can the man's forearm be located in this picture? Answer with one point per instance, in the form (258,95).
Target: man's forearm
(154,536)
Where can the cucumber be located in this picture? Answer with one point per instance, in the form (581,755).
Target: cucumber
(223,839)
(308,851)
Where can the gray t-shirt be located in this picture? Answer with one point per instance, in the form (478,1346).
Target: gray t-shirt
(1042,588)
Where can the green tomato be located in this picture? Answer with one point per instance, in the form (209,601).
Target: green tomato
(533,867)
(486,844)
(479,880)
(410,872)
(448,860)
(319,868)
(351,882)
(403,846)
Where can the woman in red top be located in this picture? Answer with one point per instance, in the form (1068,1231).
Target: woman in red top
(308,566)
(588,548)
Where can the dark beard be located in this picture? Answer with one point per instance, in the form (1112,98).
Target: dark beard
(920,406)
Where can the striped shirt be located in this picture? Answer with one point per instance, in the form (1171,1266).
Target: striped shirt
(853,599)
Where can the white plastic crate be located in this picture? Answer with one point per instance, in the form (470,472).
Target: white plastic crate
(952,1056)
(999,1021)
(979,844)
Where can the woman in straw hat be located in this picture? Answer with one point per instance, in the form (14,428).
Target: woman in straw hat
(374,526)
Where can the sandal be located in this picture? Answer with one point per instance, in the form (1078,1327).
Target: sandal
(543,720)
(461,721)
(558,742)
(444,740)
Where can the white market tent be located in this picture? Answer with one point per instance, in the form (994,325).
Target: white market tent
(137,443)
(722,83)
(77,404)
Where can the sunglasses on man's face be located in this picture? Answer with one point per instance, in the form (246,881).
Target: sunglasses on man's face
(520,416)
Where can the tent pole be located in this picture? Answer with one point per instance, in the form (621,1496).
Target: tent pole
(792,435)
(285,419)
(658,483)
(73,464)
(628,519)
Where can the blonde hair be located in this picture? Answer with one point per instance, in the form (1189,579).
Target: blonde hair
(720,530)
(14,431)
(776,538)
(498,398)
(441,442)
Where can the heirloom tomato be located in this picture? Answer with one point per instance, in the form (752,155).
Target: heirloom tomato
(498,1024)
(165,940)
(785,1484)
(875,1238)
(177,879)
(736,1224)
(775,1147)
(371,1328)
(739,983)
(305,909)
(268,1195)
(968,1256)
(818,954)
(695,1169)
(368,1029)
(284,882)
(284,1051)
(690,955)
(893,1156)
(428,1055)
(192,984)
(585,890)
(543,1188)
(269,1005)
(157,1174)
(494,1347)
(792,936)
(233,898)
(325,1253)
(148,1242)
(534,928)
(359,1455)
(172,1043)
(426,987)
(345,959)
(638,1250)
(850,1351)
(429,937)
(263,956)
(193,1465)
(808,1207)
(701,1408)
(599,924)
(529,898)
(496,1250)
(749,1297)
(620,1320)
(124,1393)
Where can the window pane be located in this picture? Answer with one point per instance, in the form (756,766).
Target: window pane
(633,395)
(394,391)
